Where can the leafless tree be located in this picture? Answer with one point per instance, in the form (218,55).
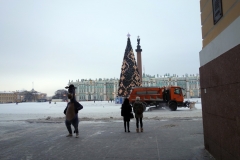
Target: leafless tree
(29,96)
(61,94)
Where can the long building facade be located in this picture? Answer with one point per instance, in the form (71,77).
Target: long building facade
(107,89)
(21,96)
(7,97)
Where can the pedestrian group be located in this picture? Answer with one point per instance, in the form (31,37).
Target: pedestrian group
(71,112)
(126,112)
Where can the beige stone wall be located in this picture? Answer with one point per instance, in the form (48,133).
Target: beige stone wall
(7,97)
(13,97)
(41,96)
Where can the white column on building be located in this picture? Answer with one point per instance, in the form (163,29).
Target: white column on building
(197,86)
(93,87)
(175,81)
(91,90)
(187,87)
(154,82)
(164,82)
(78,93)
(104,91)
(94,90)
(115,89)
(86,91)
(89,87)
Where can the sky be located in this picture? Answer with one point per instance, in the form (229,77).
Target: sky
(44,44)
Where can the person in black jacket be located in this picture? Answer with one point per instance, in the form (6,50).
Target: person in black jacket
(126,112)
(71,111)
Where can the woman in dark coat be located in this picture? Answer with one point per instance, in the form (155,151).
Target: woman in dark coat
(126,112)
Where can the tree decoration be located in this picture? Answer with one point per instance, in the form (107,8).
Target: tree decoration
(129,76)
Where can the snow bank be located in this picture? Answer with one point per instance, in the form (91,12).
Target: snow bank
(91,111)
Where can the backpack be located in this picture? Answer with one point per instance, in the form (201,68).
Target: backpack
(139,108)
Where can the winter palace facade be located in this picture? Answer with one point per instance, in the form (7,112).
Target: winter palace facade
(107,89)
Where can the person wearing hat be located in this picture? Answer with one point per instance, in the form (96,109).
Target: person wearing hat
(138,109)
(71,111)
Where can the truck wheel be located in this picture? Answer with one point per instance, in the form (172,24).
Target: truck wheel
(173,106)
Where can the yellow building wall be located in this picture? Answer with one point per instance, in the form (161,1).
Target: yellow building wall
(231,11)
(7,97)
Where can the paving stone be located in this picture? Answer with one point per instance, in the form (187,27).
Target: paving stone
(170,139)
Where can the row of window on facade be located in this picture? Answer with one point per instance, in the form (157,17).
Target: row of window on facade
(7,98)
(192,84)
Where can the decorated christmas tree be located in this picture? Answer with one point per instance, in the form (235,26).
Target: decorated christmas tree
(129,76)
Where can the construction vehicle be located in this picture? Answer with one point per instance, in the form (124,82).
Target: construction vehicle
(171,96)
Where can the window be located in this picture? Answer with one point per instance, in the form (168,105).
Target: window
(217,10)
(177,91)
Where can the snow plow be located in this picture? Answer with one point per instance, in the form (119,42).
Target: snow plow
(171,96)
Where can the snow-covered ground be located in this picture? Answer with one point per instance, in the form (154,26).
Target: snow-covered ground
(97,110)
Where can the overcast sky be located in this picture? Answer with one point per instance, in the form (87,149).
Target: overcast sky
(51,42)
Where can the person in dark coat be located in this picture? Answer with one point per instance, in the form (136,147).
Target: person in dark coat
(138,109)
(126,111)
(71,112)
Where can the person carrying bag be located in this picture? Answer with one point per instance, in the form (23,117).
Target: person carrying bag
(126,112)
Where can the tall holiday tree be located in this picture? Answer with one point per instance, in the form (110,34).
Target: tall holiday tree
(129,76)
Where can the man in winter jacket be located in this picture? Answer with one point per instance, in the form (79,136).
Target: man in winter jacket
(71,112)
(138,109)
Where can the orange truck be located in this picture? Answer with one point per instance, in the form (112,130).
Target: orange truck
(171,96)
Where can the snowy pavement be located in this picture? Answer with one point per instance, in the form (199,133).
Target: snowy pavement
(167,134)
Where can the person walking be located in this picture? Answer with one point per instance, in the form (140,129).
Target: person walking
(71,112)
(138,109)
(126,112)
